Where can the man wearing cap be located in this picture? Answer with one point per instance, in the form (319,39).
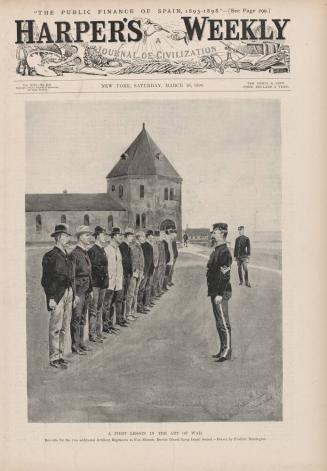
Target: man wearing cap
(125,251)
(143,294)
(114,296)
(242,252)
(100,279)
(173,235)
(138,272)
(58,283)
(83,281)
(219,288)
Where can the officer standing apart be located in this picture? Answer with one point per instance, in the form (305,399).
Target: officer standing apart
(58,283)
(219,289)
(242,252)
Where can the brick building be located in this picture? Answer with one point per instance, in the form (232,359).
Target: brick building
(143,191)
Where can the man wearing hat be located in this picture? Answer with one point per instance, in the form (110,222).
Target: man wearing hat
(125,251)
(114,296)
(58,283)
(163,253)
(138,271)
(83,281)
(173,235)
(100,278)
(169,259)
(242,252)
(143,298)
(156,244)
(219,289)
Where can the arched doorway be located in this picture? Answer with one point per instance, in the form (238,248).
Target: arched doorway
(167,224)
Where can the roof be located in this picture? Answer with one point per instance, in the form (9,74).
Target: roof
(71,202)
(143,157)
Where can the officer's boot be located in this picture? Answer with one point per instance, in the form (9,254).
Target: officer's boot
(217,355)
(226,353)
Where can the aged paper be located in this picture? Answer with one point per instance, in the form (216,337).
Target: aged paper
(162,197)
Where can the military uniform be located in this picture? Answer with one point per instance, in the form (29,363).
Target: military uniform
(242,252)
(218,281)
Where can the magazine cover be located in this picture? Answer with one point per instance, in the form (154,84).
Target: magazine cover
(162,191)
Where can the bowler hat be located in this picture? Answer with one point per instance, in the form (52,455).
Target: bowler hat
(99,230)
(60,229)
(221,226)
(129,231)
(83,230)
(115,231)
(240,227)
(149,232)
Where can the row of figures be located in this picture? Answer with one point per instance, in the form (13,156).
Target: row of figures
(107,284)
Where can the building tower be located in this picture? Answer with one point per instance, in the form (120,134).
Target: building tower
(147,185)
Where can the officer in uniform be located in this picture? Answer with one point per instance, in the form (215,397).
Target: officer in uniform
(242,252)
(219,289)
(58,283)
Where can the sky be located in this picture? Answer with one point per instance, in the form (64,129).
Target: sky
(228,152)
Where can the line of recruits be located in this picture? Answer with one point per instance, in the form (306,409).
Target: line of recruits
(110,283)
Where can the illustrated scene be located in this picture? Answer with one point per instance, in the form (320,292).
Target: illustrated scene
(153,261)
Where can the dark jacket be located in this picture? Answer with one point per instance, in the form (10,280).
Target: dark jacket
(242,247)
(175,250)
(126,256)
(167,251)
(218,281)
(82,270)
(57,274)
(99,263)
(148,258)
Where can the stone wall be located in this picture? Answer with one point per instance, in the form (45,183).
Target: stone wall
(73,218)
(153,205)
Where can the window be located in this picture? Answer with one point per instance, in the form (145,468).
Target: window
(166,194)
(171,193)
(141,191)
(63,218)
(110,222)
(38,223)
(113,188)
(86,220)
(137,221)
(120,191)
(143,221)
